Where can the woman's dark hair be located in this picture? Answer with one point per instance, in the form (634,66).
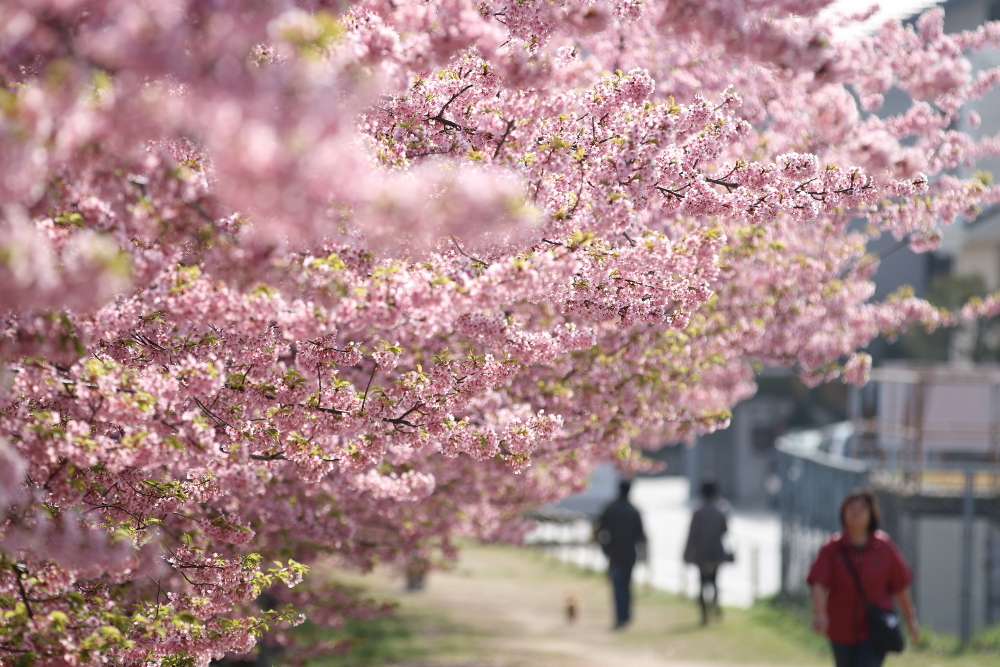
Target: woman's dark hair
(868,496)
(709,488)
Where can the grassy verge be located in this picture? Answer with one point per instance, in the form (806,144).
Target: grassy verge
(945,650)
(408,637)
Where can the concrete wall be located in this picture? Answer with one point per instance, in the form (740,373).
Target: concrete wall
(741,458)
(981,258)
(937,588)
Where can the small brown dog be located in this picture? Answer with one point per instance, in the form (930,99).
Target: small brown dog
(572,607)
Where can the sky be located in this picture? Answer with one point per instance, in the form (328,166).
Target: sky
(888,9)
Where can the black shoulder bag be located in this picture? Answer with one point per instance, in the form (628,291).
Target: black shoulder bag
(887,636)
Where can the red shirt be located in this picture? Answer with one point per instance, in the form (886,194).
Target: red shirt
(882,571)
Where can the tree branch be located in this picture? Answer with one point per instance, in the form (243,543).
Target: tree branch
(460,250)
(368,386)
(506,133)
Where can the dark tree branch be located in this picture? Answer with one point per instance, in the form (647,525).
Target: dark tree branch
(268,457)
(19,572)
(440,115)
(462,251)
(219,420)
(506,133)
(368,386)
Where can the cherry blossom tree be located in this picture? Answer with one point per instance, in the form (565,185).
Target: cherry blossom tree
(286,281)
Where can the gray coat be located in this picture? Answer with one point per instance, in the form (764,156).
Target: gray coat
(704,543)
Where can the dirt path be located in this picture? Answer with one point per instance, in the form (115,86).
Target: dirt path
(523,606)
(510,606)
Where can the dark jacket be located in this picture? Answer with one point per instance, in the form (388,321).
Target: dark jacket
(704,543)
(619,531)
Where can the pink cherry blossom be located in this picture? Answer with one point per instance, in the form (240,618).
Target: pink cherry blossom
(297,283)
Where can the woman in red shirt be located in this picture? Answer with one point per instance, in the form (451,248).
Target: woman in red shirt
(839,612)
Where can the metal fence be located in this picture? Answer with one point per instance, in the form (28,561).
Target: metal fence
(812,486)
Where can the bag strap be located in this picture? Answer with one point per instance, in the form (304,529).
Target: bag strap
(854,573)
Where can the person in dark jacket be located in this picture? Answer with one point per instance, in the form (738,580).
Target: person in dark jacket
(620,534)
(704,546)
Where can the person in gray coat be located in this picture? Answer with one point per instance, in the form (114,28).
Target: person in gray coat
(704,546)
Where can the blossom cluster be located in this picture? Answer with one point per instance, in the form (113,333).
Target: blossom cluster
(327,283)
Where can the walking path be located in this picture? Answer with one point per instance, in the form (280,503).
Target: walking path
(506,607)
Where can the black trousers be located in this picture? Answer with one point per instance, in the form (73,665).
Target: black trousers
(707,573)
(621,584)
(856,655)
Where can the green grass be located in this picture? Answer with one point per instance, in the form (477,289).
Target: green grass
(943,649)
(934,649)
(790,623)
(401,638)
(371,642)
